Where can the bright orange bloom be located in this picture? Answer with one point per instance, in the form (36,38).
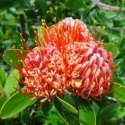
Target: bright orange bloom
(69,61)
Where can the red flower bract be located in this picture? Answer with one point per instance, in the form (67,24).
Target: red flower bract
(69,61)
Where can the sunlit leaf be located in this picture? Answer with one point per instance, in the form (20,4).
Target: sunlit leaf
(87,114)
(11,82)
(120,114)
(67,106)
(14,105)
(111,48)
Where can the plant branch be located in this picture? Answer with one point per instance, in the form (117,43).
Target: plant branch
(22,24)
(108,7)
(98,4)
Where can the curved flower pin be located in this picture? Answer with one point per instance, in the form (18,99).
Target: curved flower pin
(68,61)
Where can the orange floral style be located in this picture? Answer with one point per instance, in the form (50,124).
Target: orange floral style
(68,61)
(66,31)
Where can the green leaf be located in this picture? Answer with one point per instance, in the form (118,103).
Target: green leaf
(11,82)
(118,80)
(110,14)
(110,111)
(25,117)
(68,106)
(120,114)
(119,23)
(99,121)
(2,76)
(10,56)
(42,6)
(2,101)
(101,103)
(47,107)
(111,48)
(9,23)
(103,19)
(69,98)
(31,14)
(14,105)
(85,13)
(13,3)
(62,5)
(87,114)
(74,4)
(118,91)
(59,14)
(59,109)
(122,43)
(2,12)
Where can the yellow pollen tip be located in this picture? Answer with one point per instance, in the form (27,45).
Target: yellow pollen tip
(21,61)
(78,83)
(33,27)
(98,27)
(11,60)
(13,47)
(55,20)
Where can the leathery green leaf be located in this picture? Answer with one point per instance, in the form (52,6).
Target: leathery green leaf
(111,48)
(118,91)
(60,111)
(74,4)
(2,76)
(10,56)
(87,114)
(11,82)
(68,106)
(14,105)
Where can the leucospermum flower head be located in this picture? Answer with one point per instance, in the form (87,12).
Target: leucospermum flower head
(66,59)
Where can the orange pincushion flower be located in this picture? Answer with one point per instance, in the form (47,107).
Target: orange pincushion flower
(69,61)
